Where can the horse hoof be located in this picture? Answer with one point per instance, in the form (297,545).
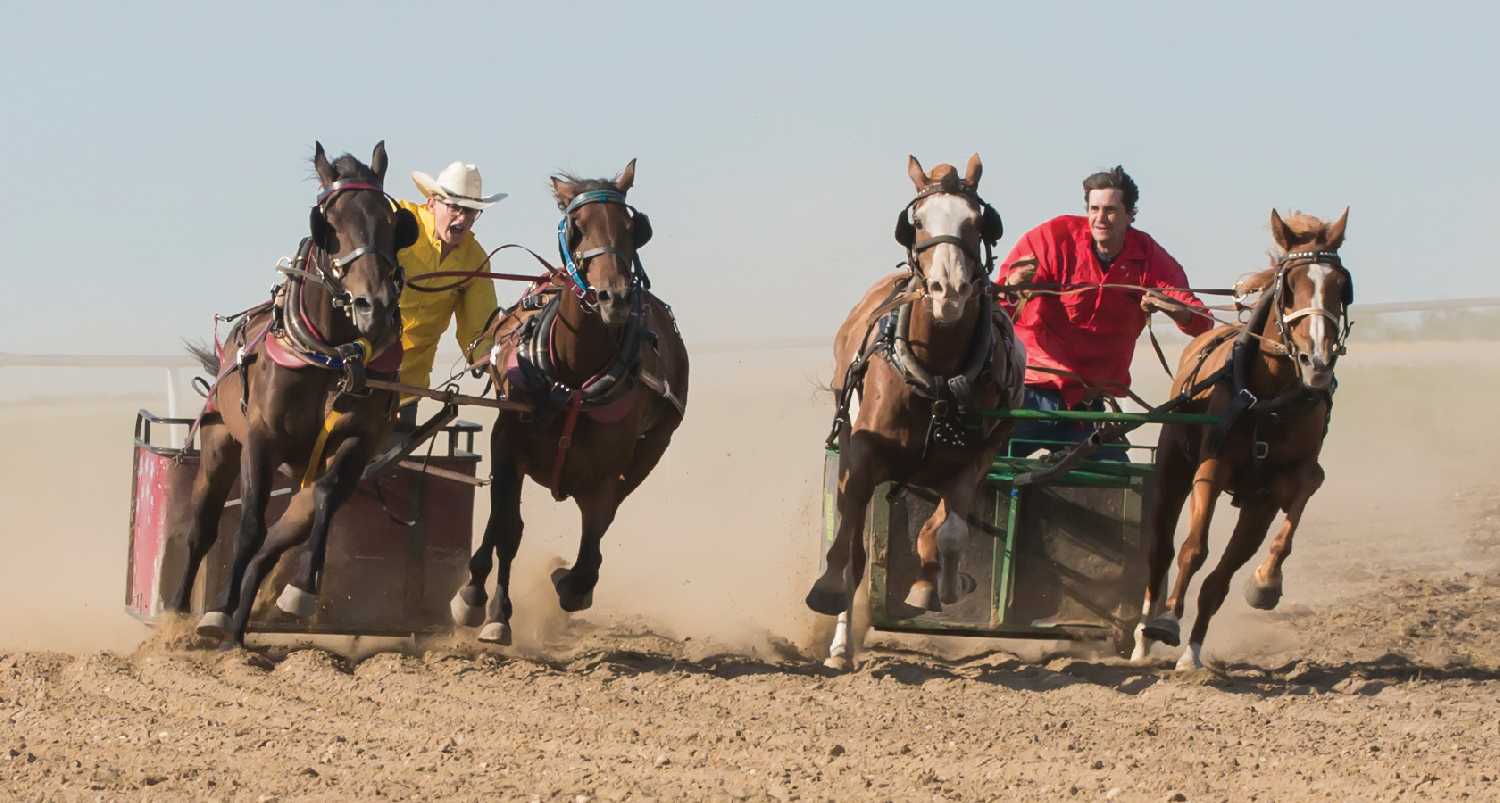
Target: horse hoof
(296,602)
(1163,629)
(924,597)
(1191,658)
(828,603)
(1261,597)
(213,625)
(953,588)
(838,663)
(464,614)
(568,599)
(496,633)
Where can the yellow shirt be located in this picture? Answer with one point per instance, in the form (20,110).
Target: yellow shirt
(424,316)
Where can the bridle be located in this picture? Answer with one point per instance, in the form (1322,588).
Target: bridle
(1286,319)
(576,262)
(990,230)
(332,278)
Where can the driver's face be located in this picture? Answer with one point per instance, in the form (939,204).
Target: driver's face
(451,221)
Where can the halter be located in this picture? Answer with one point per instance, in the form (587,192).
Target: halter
(918,246)
(1286,319)
(577,263)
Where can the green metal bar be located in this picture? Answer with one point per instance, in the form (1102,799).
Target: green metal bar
(1089,415)
(1002,601)
(1071,479)
(1118,469)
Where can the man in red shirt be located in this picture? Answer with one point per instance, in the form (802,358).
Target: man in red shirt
(1087,338)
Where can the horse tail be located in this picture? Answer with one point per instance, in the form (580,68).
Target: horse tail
(206,356)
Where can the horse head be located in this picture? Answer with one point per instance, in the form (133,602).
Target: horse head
(1313,294)
(598,238)
(948,232)
(360,230)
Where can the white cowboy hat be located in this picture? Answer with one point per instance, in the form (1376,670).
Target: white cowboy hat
(459,184)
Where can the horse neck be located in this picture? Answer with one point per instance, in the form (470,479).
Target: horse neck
(582,345)
(941,349)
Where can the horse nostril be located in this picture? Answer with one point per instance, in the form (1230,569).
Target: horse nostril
(934,287)
(604,295)
(363,304)
(1304,358)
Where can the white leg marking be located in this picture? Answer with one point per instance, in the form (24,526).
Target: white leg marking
(1142,645)
(840,645)
(1192,657)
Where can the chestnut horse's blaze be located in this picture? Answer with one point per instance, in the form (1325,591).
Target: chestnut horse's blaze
(917,359)
(1276,408)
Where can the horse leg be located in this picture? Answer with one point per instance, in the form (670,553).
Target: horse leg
(504,531)
(953,534)
(467,606)
(860,472)
(648,453)
(300,596)
(217,469)
(575,586)
(1264,589)
(257,462)
(1211,476)
(1249,532)
(841,649)
(924,594)
(290,530)
(1174,478)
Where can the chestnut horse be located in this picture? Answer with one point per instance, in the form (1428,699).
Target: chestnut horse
(279,398)
(945,352)
(1275,397)
(602,362)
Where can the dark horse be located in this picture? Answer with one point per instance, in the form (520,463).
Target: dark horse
(915,362)
(601,359)
(1275,395)
(280,396)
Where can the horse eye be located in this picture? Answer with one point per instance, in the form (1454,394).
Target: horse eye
(917,222)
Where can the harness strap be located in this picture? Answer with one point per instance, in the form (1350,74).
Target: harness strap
(315,459)
(570,422)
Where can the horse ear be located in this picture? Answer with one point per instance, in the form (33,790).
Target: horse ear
(378,161)
(905,233)
(322,232)
(1280,232)
(972,173)
(1334,236)
(640,229)
(563,191)
(626,179)
(326,174)
(406,228)
(916,173)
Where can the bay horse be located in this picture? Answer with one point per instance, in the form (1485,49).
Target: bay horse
(280,395)
(1275,398)
(922,353)
(601,359)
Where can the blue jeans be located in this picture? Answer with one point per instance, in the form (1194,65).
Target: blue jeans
(1050,400)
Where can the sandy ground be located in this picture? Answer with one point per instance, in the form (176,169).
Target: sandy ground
(1377,678)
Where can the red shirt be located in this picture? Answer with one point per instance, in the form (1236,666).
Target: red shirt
(1091,333)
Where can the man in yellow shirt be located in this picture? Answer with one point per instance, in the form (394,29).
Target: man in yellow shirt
(445,242)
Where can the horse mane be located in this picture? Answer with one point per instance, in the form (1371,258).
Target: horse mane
(349,167)
(579,185)
(946,176)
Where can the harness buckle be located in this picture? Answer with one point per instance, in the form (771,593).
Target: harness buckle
(941,408)
(1262,450)
(1254,400)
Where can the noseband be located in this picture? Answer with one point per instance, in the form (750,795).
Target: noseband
(1285,319)
(577,263)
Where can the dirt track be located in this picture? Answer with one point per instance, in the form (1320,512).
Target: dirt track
(1379,677)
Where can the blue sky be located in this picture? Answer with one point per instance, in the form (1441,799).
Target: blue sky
(155,155)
